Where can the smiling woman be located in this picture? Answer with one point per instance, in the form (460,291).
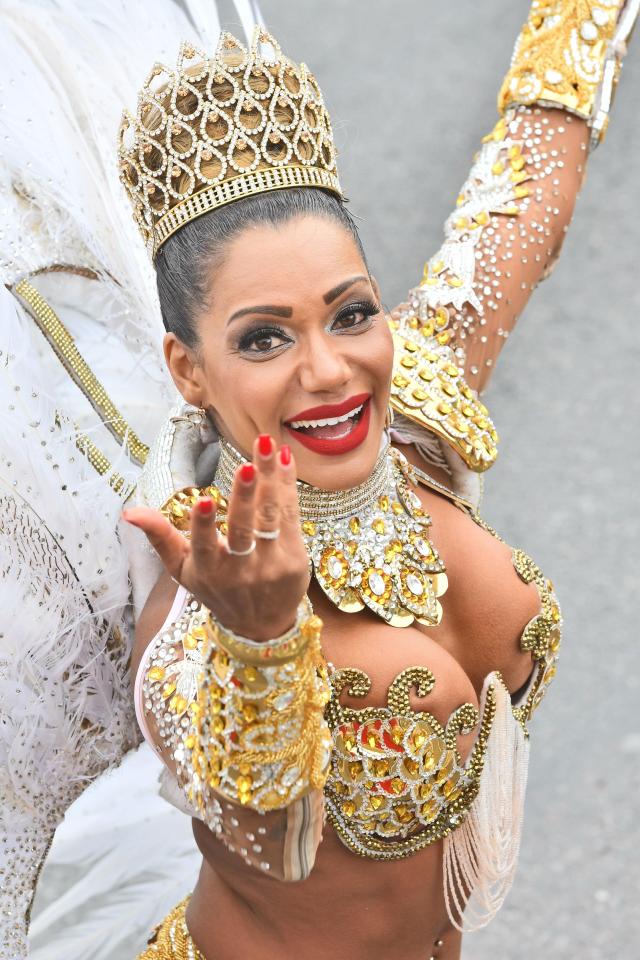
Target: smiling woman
(294,257)
(419,758)
(335,658)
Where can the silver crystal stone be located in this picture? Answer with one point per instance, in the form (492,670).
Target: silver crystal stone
(422,546)
(376,583)
(414,584)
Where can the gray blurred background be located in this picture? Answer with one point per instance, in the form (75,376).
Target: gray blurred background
(411,88)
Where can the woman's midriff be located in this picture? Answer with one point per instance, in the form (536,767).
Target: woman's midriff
(349,908)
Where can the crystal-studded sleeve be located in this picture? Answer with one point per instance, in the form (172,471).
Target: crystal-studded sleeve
(515,207)
(503,237)
(241,727)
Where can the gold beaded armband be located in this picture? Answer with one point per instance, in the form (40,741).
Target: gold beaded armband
(243,720)
(568,55)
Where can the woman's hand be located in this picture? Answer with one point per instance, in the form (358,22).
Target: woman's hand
(255,595)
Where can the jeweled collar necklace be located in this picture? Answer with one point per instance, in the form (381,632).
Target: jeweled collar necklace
(368,546)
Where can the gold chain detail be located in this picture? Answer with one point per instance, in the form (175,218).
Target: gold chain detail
(65,349)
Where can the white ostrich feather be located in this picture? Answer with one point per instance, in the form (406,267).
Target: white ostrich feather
(64,635)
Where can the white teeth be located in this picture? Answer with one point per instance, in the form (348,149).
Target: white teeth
(329,422)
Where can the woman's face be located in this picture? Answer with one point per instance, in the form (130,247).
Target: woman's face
(294,343)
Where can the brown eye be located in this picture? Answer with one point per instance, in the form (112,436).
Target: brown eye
(263,343)
(348,320)
(264,340)
(356,316)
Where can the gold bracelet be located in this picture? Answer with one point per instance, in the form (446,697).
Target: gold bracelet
(281,650)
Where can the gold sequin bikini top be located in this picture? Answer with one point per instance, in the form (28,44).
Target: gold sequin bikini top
(397,783)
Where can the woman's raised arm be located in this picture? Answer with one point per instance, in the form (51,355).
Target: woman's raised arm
(516,205)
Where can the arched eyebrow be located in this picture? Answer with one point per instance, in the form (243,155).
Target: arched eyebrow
(286,312)
(271,311)
(333,294)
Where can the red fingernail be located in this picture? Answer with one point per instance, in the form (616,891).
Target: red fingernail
(247,472)
(264,444)
(285,455)
(205,506)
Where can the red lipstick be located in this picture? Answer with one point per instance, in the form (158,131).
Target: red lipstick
(330,409)
(349,433)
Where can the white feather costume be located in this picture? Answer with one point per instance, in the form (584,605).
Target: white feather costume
(67,69)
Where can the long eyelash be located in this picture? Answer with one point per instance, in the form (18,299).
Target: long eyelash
(367,307)
(251,336)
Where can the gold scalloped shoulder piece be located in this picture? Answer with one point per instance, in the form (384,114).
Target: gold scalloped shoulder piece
(428,388)
(397,782)
(542,636)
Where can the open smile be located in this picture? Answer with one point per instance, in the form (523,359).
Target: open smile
(333,428)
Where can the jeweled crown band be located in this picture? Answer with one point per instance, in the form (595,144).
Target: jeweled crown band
(237,188)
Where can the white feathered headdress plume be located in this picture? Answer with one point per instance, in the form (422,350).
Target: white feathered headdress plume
(67,68)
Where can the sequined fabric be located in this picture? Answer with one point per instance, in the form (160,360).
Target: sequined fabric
(171,939)
(499,242)
(397,783)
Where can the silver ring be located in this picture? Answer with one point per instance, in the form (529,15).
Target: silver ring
(267,534)
(241,553)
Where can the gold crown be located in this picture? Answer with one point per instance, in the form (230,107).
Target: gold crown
(219,129)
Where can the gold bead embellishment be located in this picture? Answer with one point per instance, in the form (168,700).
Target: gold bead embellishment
(431,391)
(542,635)
(215,130)
(243,720)
(74,363)
(397,783)
(171,939)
